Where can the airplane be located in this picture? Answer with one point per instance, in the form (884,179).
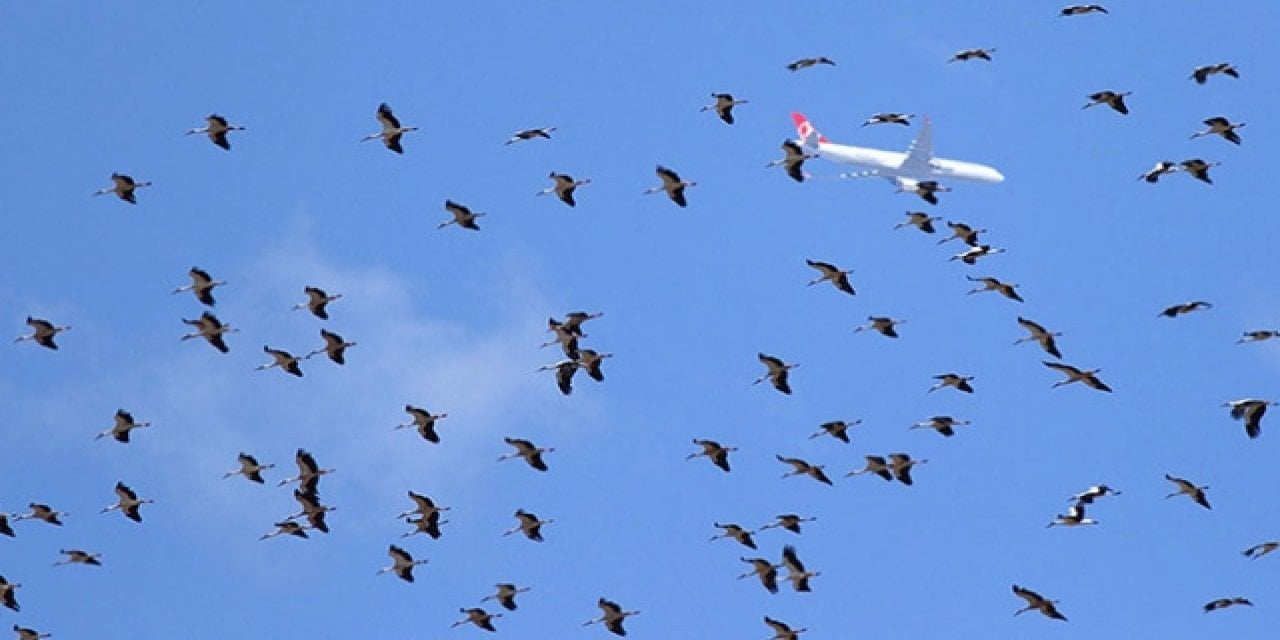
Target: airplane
(904,170)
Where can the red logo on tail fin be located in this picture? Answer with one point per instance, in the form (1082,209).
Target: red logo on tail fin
(804,128)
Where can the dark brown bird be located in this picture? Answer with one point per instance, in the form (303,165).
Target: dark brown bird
(564,187)
(838,429)
(127,502)
(673,184)
(402,563)
(217,129)
(612,616)
(288,528)
(202,285)
(424,422)
(42,332)
(124,423)
(391,129)
(801,468)
(317,301)
(1189,489)
(919,220)
(312,510)
(428,524)
(462,216)
(973,54)
(1223,603)
(883,324)
(209,327)
(334,346)
(777,373)
(793,160)
(1259,550)
(1186,307)
(1112,99)
(77,556)
(1164,167)
(526,449)
(833,274)
(249,468)
(1089,378)
(1037,602)
(796,573)
(530,134)
(963,232)
(804,63)
(1082,9)
(765,570)
(1250,411)
(1199,169)
(1005,289)
(903,119)
(283,359)
(530,525)
(900,464)
(876,465)
(42,512)
(735,532)
(479,617)
(124,187)
(717,453)
(564,374)
(1201,74)
(723,106)
(506,595)
(1220,126)
(789,521)
(1040,335)
(8,594)
(959,382)
(941,424)
(782,631)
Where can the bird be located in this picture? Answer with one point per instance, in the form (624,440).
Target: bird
(1073,517)
(428,524)
(1259,550)
(889,118)
(308,472)
(312,510)
(1082,9)
(1039,334)
(42,332)
(959,382)
(1199,169)
(317,301)
(217,129)
(804,63)
(42,512)
(1163,167)
(5,527)
(1258,336)
(124,423)
(725,102)
(1201,74)
(8,595)
(765,570)
(462,216)
(1190,489)
(288,528)
(479,617)
(900,464)
(1220,126)
(971,255)
(1093,493)
(566,335)
(1089,378)
(27,633)
(202,285)
(564,187)
(249,468)
(564,374)
(971,54)
(283,359)
(919,220)
(782,631)
(777,372)
(735,532)
(402,563)
(883,324)
(334,345)
(124,187)
(1037,602)
(838,429)
(875,464)
(422,506)
(717,453)
(612,616)
(506,595)
(796,573)
(963,232)
(574,320)
(1250,410)
(391,129)
(77,556)
(833,274)
(525,449)
(1113,99)
(941,424)
(530,525)
(1005,289)
(127,502)
(423,421)
(926,189)
(800,467)
(793,160)
(789,521)
(1223,603)
(530,134)
(1186,307)
(209,327)
(673,184)
(590,360)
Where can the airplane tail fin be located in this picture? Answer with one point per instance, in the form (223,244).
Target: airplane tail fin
(809,135)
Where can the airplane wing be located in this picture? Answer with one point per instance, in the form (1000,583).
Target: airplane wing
(920,153)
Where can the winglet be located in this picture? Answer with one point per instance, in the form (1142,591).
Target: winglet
(806,130)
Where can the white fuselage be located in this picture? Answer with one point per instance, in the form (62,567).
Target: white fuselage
(889,164)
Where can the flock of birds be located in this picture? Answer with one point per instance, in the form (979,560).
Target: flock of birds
(425,517)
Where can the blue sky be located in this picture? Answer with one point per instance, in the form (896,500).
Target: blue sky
(451,319)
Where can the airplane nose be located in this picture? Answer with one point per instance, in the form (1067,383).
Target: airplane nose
(995,176)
